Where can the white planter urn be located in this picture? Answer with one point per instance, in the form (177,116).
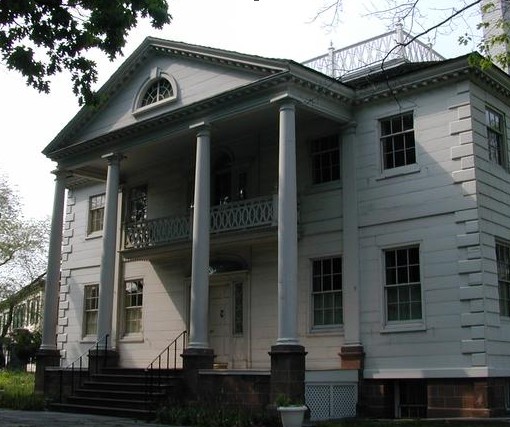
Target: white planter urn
(292,416)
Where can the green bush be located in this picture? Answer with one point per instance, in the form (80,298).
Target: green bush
(17,391)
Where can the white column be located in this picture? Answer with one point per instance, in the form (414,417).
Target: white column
(287,229)
(350,239)
(108,253)
(51,289)
(199,304)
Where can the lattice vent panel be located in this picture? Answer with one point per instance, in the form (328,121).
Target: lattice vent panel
(331,401)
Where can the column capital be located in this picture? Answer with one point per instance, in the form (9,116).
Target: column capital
(284,100)
(113,157)
(202,128)
(61,174)
(350,128)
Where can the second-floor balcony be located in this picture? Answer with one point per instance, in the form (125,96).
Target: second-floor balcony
(259,213)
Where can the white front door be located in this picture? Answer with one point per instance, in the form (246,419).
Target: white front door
(220,323)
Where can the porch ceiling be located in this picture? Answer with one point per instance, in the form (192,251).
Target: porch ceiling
(155,150)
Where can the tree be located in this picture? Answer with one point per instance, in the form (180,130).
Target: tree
(414,15)
(40,38)
(23,250)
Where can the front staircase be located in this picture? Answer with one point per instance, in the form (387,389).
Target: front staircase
(122,392)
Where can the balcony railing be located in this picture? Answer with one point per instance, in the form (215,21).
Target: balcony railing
(248,214)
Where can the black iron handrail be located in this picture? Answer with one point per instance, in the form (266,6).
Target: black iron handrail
(79,365)
(161,367)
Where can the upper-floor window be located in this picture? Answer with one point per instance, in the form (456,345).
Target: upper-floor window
(91,309)
(397,141)
(325,159)
(158,91)
(503,267)
(327,308)
(96,213)
(402,284)
(133,303)
(137,204)
(496,137)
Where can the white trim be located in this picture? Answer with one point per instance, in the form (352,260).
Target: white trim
(466,372)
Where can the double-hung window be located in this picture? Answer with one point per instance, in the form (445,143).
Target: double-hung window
(327,308)
(91,306)
(398,146)
(96,213)
(325,159)
(496,137)
(133,304)
(503,267)
(402,284)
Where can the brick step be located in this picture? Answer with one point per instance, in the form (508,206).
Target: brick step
(116,394)
(108,385)
(140,414)
(133,378)
(116,403)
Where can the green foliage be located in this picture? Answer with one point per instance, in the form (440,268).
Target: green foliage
(17,391)
(25,344)
(214,416)
(23,243)
(40,38)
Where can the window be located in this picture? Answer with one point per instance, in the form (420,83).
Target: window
(91,305)
(133,306)
(158,91)
(33,314)
(397,141)
(18,316)
(137,204)
(238,308)
(325,159)
(503,266)
(327,292)
(96,213)
(496,137)
(402,284)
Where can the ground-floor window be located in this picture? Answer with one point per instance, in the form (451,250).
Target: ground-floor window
(133,303)
(327,309)
(503,266)
(91,306)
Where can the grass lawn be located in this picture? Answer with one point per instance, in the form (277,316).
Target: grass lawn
(17,391)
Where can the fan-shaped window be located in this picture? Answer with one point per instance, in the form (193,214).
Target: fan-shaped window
(158,91)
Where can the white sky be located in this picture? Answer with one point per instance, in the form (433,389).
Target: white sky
(271,28)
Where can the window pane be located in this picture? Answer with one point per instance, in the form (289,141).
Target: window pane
(403,288)
(397,141)
(327,291)
(325,154)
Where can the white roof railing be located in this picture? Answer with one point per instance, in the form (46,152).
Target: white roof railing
(396,44)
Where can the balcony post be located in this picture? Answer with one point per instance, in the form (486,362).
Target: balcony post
(108,253)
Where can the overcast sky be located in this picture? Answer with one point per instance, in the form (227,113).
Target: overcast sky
(271,28)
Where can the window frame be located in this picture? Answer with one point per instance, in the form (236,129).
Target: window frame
(412,163)
(92,222)
(503,293)
(501,149)
(315,327)
(156,76)
(132,308)
(325,157)
(88,295)
(403,285)
(142,197)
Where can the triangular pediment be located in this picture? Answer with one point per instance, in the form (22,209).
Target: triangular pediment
(196,73)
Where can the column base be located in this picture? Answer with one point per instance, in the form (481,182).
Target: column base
(44,359)
(193,360)
(288,372)
(352,357)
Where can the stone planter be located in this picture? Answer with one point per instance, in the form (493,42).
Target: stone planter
(292,416)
